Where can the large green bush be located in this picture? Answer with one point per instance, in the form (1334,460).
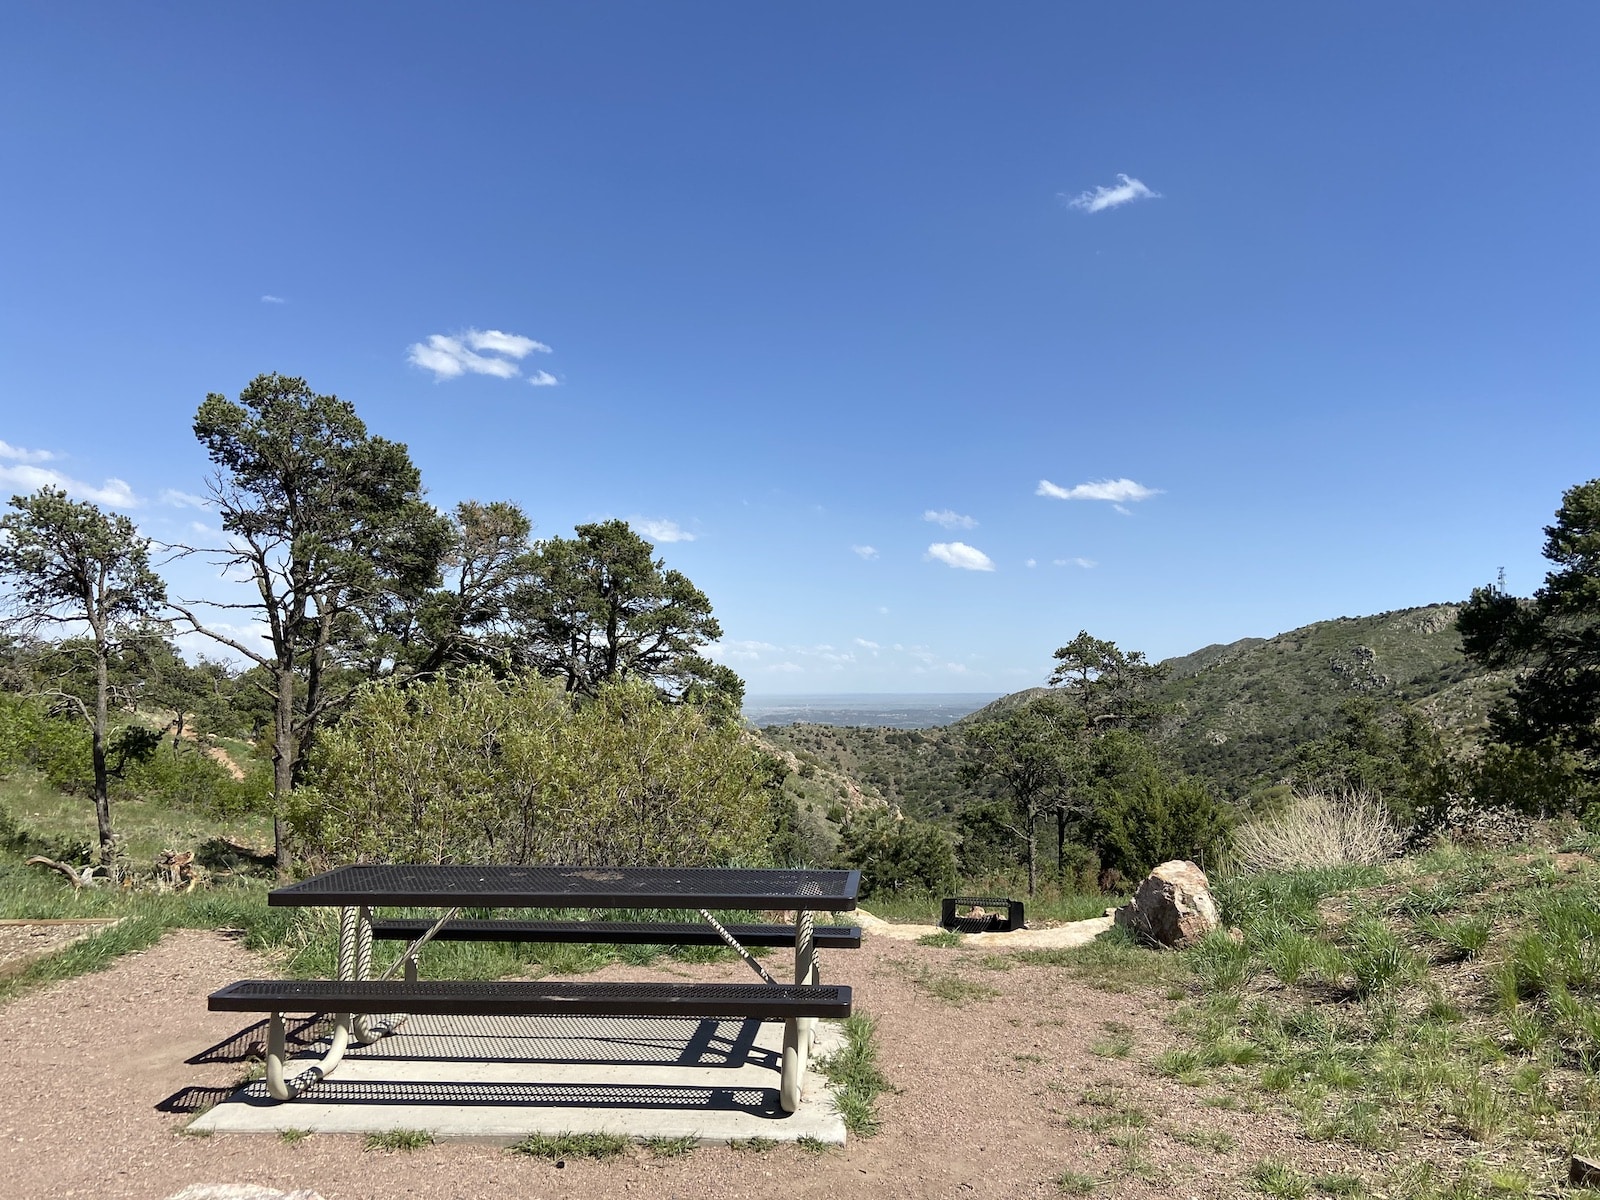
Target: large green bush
(483,770)
(897,854)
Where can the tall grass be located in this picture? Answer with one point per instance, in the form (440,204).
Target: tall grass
(1319,829)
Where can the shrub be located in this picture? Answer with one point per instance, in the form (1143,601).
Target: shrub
(1319,829)
(896,854)
(479,769)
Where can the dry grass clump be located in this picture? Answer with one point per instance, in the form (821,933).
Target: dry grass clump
(1319,829)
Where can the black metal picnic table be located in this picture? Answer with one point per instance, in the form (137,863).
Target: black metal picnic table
(357,890)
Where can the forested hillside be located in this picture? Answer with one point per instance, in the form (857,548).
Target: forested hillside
(1241,712)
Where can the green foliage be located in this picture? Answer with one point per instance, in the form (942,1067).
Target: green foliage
(897,854)
(1028,753)
(598,608)
(1141,814)
(855,1073)
(140,763)
(486,770)
(1244,710)
(328,523)
(1554,704)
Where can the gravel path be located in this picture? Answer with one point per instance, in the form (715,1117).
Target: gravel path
(991,1098)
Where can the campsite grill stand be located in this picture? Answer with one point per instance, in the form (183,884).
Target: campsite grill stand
(990,922)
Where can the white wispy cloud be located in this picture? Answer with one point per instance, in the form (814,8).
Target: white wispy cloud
(865,552)
(543,379)
(866,645)
(950,519)
(113,493)
(662,531)
(1032,562)
(1085,563)
(1124,191)
(961,555)
(273,300)
(1115,490)
(7,450)
(173,498)
(739,651)
(476,352)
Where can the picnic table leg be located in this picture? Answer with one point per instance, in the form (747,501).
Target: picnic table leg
(798,1031)
(355,960)
(280,1088)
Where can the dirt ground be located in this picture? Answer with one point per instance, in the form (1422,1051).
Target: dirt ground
(995,1097)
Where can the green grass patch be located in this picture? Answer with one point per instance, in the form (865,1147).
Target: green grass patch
(1117,1043)
(562,1146)
(1273,1177)
(671,1147)
(1075,1183)
(399,1140)
(855,1072)
(944,938)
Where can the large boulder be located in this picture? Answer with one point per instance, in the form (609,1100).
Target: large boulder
(1172,907)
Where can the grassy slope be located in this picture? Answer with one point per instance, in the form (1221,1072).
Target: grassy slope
(1244,707)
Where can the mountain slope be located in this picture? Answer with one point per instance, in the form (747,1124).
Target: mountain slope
(1241,710)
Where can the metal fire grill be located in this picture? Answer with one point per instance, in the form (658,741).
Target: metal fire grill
(990,922)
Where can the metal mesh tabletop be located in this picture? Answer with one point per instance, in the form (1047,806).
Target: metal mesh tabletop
(575,887)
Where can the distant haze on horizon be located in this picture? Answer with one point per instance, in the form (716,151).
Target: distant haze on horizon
(918,341)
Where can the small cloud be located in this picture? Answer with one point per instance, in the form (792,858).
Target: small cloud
(28,456)
(662,531)
(1086,563)
(543,379)
(1123,192)
(866,645)
(113,493)
(1115,490)
(788,668)
(865,552)
(883,609)
(513,345)
(476,352)
(173,498)
(950,519)
(1032,562)
(961,556)
(273,300)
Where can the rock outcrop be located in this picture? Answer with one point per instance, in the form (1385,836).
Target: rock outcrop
(1173,907)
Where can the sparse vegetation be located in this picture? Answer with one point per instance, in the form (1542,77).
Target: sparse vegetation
(854,1071)
(561,1146)
(399,1140)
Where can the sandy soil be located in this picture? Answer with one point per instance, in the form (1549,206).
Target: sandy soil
(99,1075)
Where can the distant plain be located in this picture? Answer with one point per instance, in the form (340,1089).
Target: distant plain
(893,710)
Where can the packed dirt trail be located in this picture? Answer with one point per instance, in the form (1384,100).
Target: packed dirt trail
(994,1097)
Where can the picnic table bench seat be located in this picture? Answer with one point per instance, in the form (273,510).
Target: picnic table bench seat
(520,997)
(647,933)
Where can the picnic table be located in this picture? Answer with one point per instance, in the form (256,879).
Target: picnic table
(356,998)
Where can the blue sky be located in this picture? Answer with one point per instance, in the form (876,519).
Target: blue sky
(1294,308)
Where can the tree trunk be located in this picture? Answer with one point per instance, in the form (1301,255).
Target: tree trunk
(102,793)
(1033,852)
(1061,847)
(282,764)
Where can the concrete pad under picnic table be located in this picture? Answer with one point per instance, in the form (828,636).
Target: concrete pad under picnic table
(501,1079)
